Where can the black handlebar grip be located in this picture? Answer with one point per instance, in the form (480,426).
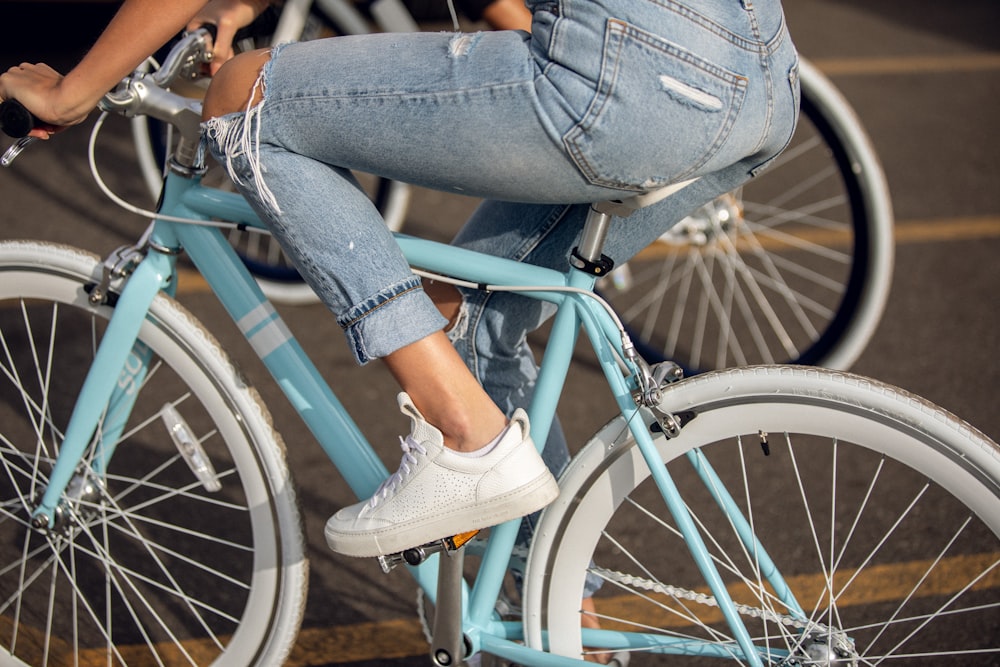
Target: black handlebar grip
(15,120)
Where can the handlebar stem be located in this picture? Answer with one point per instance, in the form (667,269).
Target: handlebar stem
(147,94)
(136,97)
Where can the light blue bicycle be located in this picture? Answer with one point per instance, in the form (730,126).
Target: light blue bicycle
(765,515)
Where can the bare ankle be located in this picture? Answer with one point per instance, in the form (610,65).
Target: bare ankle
(468,432)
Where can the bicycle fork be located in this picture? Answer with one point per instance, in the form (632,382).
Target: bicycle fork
(109,390)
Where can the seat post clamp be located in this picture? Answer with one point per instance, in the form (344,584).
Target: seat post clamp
(599,268)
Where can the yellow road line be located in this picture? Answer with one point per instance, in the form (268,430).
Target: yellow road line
(947,229)
(367,641)
(190,281)
(904,232)
(875,584)
(385,640)
(975,62)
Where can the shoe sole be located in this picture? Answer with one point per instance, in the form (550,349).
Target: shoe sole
(524,500)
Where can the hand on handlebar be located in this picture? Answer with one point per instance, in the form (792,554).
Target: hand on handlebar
(54,105)
(228,16)
(38,88)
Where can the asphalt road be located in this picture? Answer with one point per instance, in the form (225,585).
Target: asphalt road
(924,78)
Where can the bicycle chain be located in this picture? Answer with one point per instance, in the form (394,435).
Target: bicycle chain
(669,590)
(704,599)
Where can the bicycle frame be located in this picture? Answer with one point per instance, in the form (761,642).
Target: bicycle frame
(120,365)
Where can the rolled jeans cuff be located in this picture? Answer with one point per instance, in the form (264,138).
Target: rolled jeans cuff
(390,320)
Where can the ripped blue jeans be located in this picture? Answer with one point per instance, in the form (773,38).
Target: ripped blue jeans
(603,98)
(597,101)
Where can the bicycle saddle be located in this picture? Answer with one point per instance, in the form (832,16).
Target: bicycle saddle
(624,207)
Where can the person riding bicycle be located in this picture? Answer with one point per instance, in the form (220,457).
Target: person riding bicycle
(602,99)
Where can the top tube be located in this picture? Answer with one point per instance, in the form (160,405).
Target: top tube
(429,255)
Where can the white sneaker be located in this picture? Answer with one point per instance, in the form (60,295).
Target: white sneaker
(437,493)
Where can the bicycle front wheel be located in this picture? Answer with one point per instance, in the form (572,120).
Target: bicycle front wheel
(149,562)
(880,511)
(795,267)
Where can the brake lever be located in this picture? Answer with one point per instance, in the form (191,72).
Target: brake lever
(195,47)
(11,153)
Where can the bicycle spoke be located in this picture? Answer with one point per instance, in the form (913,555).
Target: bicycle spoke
(39,414)
(936,613)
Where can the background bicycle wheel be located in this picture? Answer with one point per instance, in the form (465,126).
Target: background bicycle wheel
(795,266)
(923,78)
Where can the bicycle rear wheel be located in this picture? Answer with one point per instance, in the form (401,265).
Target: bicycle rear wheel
(148,564)
(795,267)
(881,512)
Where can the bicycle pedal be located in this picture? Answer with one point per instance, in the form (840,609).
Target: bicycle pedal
(418,555)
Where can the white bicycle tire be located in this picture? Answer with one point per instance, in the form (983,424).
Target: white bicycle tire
(276,578)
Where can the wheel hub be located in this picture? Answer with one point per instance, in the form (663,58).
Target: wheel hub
(83,495)
(720,217)
(829,649)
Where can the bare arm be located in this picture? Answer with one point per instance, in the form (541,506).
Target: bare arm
(138,29)
(228,16)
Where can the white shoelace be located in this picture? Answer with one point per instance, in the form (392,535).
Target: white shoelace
(406,466)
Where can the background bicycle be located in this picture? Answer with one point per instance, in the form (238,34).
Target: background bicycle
(930,341)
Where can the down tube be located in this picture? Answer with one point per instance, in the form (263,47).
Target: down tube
(298,378)
(671,494)
(284,358)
